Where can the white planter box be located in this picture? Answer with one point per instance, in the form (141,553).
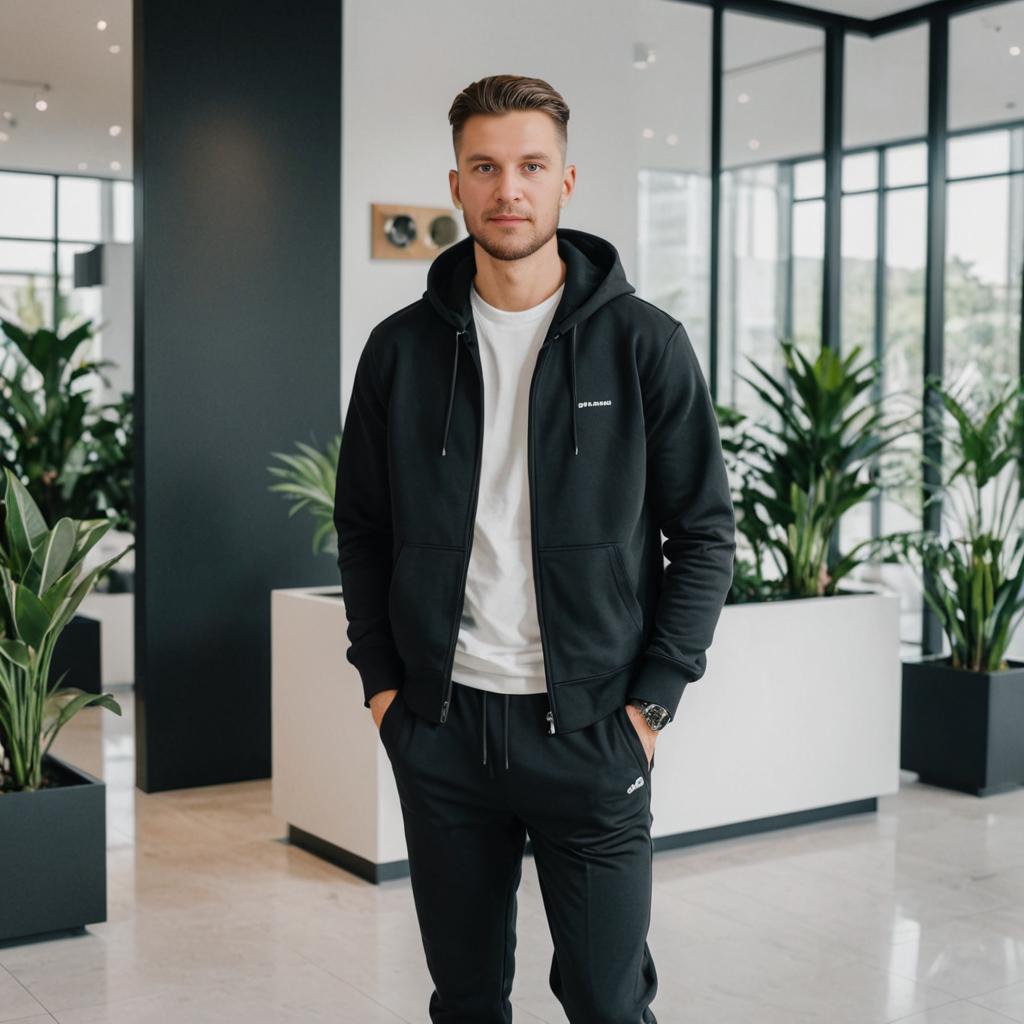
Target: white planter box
(798,711)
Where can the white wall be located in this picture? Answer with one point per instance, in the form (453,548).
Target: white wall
(404,61)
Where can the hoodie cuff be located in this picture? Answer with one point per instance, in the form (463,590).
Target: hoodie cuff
(380,668)
(659,681)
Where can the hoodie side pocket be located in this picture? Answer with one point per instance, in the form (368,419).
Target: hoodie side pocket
(421,603)
(592,622)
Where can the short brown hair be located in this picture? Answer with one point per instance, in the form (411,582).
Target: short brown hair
(499,94)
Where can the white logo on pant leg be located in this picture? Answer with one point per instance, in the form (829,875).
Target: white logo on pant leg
(636,785)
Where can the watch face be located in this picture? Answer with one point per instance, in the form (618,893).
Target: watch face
(657,716)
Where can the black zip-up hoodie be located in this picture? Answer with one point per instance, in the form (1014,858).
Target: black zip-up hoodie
(622,444)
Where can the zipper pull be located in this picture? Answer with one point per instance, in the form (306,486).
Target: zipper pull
(444,710)
(551,722)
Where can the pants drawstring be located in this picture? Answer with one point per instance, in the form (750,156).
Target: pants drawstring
(484,730)
(506,730)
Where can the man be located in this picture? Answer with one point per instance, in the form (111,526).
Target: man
(516,442)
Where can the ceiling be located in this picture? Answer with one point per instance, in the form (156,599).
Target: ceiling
(58,43)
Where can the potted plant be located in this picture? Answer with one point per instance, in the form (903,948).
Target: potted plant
(52,815)
(963,712)
(801,470)
(809,655)
(73,454)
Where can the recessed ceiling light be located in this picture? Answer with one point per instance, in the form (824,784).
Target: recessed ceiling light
(648,133)
(743,97)
(115,165)
(754,143)
(1014,51)
(115,129)
(41,104)
(4,137)
(101,25)
(82,165)
(671,139)
(115,48)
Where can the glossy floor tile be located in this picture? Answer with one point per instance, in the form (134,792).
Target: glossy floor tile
(912,914)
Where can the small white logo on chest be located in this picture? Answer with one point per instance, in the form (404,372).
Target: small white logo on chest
(606,401)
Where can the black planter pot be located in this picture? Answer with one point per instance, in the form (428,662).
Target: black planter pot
(963,730)
(53,873)
(78,651)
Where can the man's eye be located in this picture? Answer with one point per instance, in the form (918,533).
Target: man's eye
(533,165)
(478,166)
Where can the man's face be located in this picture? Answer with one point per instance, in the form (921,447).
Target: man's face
(511,181)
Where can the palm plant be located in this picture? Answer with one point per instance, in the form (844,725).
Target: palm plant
(802,469)
(973,580)
(308,481)
(52,435)
(42,583)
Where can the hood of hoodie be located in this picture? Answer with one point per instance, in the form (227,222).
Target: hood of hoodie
(593,277)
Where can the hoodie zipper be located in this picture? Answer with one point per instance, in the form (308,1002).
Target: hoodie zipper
(467,544)
(468,540)
(550,716)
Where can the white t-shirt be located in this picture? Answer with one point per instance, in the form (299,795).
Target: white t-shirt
(499,648)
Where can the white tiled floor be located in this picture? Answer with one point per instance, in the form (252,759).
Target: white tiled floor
(915,914)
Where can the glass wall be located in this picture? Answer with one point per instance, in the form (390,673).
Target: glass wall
(671,60)
(771,239)
(883,239)
(44,220)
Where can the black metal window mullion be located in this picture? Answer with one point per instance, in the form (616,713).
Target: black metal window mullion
(935,282)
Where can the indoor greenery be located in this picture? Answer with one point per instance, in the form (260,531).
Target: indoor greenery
(43,582)
(973,579)
(308,481)
(73,454)
(816,455)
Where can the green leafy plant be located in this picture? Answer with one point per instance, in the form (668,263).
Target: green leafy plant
(973,580)
(43,582)
(816,456)
(308,481)
(69,450)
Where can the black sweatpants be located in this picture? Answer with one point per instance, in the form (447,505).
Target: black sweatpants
(471,788)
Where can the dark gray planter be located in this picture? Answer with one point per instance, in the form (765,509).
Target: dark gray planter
(78,651)
(53,872)
(963,730)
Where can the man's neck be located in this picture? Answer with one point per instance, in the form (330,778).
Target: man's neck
(515,285)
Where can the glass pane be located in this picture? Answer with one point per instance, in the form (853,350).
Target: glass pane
(906,165)
(26,283)
(860,171)
(26,205)
(809,179)
(885,87)
(672,248)
(772,90)
(983,153)
(26,257)
(986,65)
(859,242)
(983,283)
(903,369)
(753,308)
(673,161)
(124,211)
(79,209)
(808,261)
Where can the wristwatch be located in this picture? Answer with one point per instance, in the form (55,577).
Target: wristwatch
(655,715)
